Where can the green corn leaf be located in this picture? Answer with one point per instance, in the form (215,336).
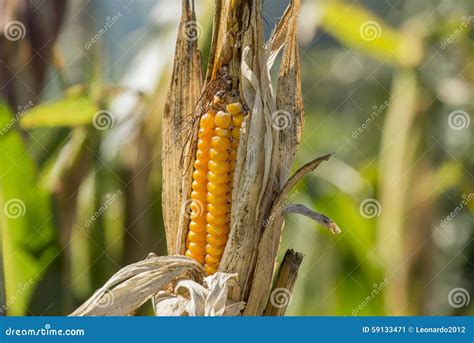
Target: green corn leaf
(67,112)
(27,233)
(359,29)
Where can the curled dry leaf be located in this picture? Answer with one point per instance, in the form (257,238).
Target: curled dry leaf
(136,283)
(316,216)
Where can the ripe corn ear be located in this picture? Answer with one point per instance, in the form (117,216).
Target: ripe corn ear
(219,133)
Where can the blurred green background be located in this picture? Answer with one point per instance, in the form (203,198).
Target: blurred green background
(388,87)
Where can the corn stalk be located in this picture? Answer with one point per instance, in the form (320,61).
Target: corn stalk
(269,139)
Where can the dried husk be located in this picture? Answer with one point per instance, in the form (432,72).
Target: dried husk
(191,298)
(136,283)
(185,89)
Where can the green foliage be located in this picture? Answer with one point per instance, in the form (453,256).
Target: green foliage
(358,28)
(72,110)
(28,237)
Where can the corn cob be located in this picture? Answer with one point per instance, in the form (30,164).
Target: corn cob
(219,133)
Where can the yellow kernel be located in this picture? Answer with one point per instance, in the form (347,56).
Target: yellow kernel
(223,120)
(236,132)
(198,217)
(197,249)
(234,108)
(217,209)
(216,240)
(210,269)
(217,220)
(207,121)
(217,155)
(198,196)
(220,143)
(199,258)
(196,237)
(200,165)
(204,144)
(206,134)
(221,230)
(202,155)
(216,188)
(218,167)
(211,260)
(222,132)
(238,119)
(216,198)
(197,227)
(199,186)
(214,250)
(199,176)
(234,144)
(218,178)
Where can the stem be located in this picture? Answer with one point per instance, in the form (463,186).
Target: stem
(285,280)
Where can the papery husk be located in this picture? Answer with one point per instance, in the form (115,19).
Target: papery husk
(185,89)
(133,285)
(191,298)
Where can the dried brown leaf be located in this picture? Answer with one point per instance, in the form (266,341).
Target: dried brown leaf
(186,85)
(134,284)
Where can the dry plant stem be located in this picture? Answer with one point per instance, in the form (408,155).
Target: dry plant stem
(186,84)
(286,279)
(396,164)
